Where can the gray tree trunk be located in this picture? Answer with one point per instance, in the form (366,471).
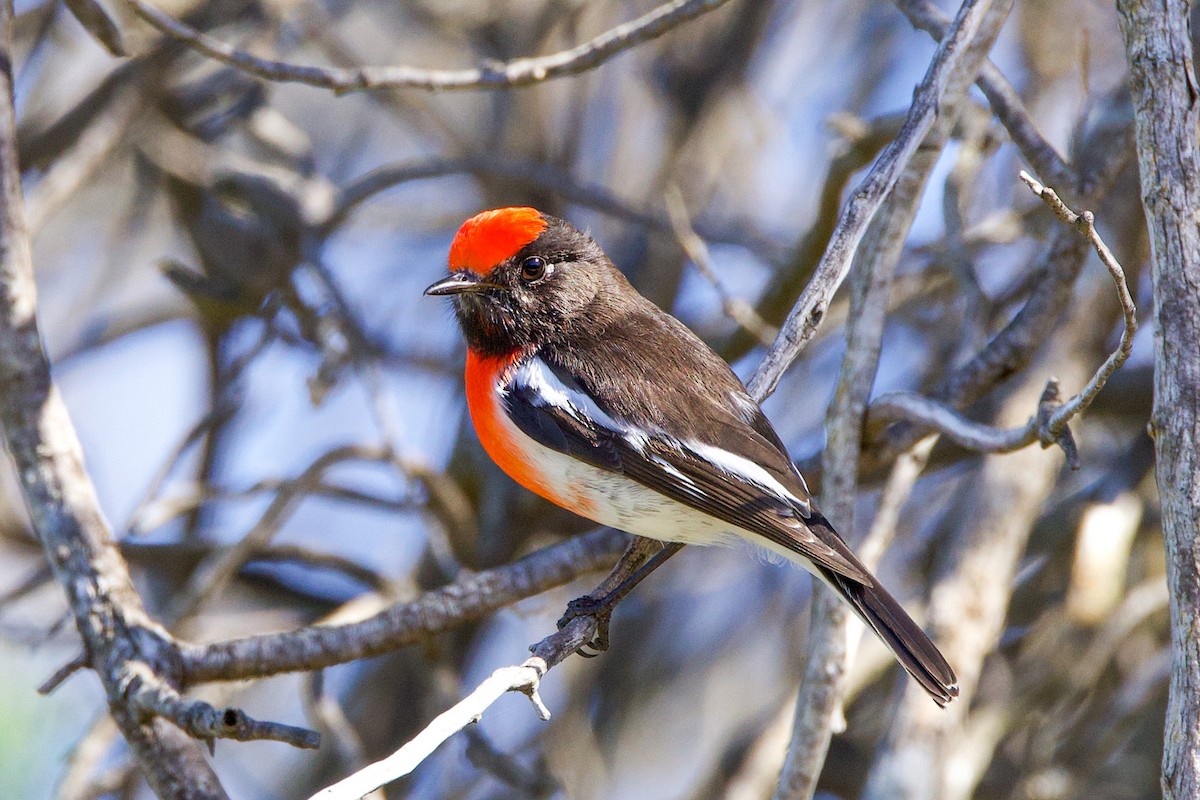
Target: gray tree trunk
(1158,46)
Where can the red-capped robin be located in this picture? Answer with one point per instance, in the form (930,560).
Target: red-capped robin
(586,393)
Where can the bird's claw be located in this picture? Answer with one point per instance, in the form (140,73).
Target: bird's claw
(588,606)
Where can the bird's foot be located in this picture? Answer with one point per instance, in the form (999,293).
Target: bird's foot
(599,609)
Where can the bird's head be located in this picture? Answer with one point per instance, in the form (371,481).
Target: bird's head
(521,279)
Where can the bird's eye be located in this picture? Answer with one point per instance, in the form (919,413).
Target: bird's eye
(533,268)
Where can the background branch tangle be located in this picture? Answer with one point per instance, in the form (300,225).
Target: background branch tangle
(521,72)
(145,669)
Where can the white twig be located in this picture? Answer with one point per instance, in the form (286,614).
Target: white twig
(523,678)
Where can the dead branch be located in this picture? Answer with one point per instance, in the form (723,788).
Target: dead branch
(827,646)
(1005,102)
(213,573)
(150,695)
(1100,152)
(549,652)
(1085,224)
(860,142)
(547,178)
(737,309)
(469,597)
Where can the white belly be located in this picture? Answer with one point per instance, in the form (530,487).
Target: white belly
(613,499)
(625,504)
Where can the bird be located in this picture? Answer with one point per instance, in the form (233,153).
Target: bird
(591,396)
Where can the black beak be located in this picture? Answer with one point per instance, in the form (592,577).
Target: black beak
(457,284)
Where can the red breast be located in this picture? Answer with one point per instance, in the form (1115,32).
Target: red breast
(483,375)
(512,450)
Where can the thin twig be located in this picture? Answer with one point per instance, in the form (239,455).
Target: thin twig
(73,169)
(79,773)
(534,783)
(860,142)
(543,177)
(212,575)
(62,673)
(734,307)
(150,695)
(212,419)
(896,491)
(1101,146)
(519,72)
(327,714)
(1085,223)
(165,509)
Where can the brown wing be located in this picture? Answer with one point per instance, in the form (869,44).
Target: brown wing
(554,410)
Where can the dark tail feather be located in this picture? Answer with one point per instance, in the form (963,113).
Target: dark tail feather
(913,649)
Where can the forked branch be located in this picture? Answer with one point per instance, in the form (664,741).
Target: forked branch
(1048,425)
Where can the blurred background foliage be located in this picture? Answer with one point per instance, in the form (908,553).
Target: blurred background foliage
(231,272)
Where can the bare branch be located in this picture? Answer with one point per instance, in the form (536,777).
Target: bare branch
(1049,424)
(827,648)
(523,678)
(548,178)
(1101,149)
(62,673)
(73,169)
(860,142)
(532,782)
(79,778)
(99,24)
(469,597)
(327,714)
(147,693)
(1005,102)
(934,416)
(577,633)
(61,499)
(211,576)
(520,72)
(809,311)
